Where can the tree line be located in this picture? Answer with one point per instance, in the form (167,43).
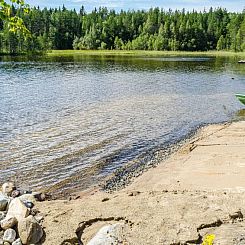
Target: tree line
(155,29)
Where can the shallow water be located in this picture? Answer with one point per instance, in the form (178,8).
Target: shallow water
(71,121)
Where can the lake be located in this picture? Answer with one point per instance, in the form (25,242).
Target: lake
(70,122)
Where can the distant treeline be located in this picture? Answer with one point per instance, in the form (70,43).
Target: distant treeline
(155,29)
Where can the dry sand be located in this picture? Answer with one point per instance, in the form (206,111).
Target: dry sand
(199,190)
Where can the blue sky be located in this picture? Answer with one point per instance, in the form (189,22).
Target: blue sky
(231,5)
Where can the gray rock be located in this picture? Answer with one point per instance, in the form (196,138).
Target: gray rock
(8,222)
(9,235)
(7,188)
(3,202)
(17,209)
(30,231)
(108,235)
(39,196)
(15,193)
(1,241)
(2,215)
(29,204)
(17,242)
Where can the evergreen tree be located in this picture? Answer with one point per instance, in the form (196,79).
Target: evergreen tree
(155,29)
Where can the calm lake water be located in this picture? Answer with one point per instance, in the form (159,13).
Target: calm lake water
(71,121)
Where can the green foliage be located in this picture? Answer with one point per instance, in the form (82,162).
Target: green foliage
(13,22)
(101,29)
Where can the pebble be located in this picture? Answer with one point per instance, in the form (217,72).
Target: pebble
(3,202)
(39,218)
(15,193)
(9,235)
(124,176)
(15,206)
(105,199)
(39,196)
(8,222)
(17,242)
(29,204)
(134,193)
(7,188)
(2,215)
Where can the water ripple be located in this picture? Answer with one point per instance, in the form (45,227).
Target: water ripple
(72,122)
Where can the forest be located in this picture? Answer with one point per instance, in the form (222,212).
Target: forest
(155,29)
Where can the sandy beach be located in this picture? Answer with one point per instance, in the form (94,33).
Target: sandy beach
(199,190)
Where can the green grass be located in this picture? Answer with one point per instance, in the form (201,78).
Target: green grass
(142,53)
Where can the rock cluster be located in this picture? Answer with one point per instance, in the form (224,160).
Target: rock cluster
(19,221)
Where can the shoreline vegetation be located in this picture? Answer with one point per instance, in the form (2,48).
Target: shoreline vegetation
(143,53)
(129,53)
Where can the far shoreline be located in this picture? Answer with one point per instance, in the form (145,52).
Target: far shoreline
(141,53)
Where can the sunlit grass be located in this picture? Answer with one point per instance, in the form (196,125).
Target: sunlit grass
(143,53)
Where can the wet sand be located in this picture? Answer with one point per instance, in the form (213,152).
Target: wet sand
(199,190)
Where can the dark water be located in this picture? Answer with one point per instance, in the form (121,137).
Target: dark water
(71,121)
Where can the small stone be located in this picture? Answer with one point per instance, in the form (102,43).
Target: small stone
(3,202)
(17,242)
(6,243)
(105,199)
(1,241)
(7,188)
(39,218)
(29,204)
(27,192)
(134,193)
(17,209)
(8,222)
(34,211)
(15,193)
(9,235)
(29,230)
(237,215)
(39,196)
(2,215)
